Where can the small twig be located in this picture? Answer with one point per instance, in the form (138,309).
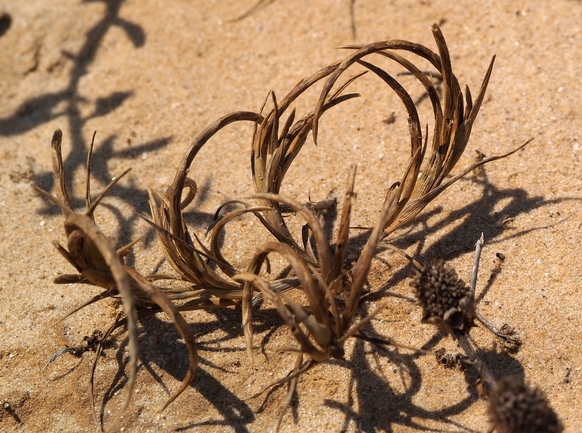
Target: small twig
(469,350)
(475,270)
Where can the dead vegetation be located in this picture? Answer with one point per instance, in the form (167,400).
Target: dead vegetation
(316,265)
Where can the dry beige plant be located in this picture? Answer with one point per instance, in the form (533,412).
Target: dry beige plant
(273,151)
(182,254)
(90,252)
(453,122)
(322,325)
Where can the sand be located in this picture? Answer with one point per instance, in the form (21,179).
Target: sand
(148,76)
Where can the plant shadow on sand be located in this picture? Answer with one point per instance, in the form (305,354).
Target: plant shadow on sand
(171,356)
(381,405)
(67,103)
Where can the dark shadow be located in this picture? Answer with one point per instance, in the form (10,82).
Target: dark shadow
(171,355)
(41,109)
(5,23)
(120,379)
(236,413)
(44,108)
(478,217)
(381,405)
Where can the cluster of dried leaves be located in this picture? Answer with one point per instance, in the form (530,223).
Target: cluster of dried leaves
(317,264)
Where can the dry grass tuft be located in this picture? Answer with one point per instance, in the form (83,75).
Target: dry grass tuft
(90,252)
(317,265)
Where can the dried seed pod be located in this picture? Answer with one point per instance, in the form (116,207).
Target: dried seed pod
(445,299)
(449,303)
(514,407)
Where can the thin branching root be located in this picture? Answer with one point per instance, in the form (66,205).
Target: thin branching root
(320,293)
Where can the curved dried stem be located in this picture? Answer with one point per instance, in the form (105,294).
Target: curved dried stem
(453,120)
(82,227)
(157,296)
(174,235)
(273,151)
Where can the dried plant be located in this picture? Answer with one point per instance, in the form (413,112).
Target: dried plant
(452,129)
(322,328)
(449,303)
(98,263)
(322,325)
(261,4)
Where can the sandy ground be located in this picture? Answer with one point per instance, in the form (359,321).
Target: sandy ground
(148,76)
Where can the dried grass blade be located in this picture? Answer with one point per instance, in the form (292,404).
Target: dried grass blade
(414,207)
(110,185)
(88,173)
(362,51)
(365,260)
(291,391)
(59,174)
(352,331)
(325,259)
(174,192)
(122,282)
(284,313)
(344,225)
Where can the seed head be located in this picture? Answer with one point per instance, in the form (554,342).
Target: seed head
(515,408)
(445,299)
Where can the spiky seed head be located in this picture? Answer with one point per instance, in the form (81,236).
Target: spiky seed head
(514,407)
(445,299)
